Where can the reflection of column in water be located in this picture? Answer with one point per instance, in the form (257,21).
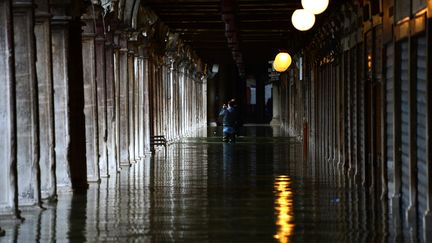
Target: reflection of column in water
(361,212)
(162,195)
(76,225)
(350,213)
(92,212)
(123,197)
(104,209)
(275,131)
(115,203)
(354,211)
(284,209)
(179,198)
(136,191)
(28,231)
(47,221)
(146,193)
(133,174)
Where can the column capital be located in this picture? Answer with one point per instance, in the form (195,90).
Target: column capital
(23,4)
(42,11)
(121,40)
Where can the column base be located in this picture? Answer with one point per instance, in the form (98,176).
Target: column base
(397,223)
(411,215)
(427,225)
(275,122)
(125,164)
(148,154)
(93,180)
(50,199)
(9,213)
(63,188)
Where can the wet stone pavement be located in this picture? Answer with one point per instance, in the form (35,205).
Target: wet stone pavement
(258,189)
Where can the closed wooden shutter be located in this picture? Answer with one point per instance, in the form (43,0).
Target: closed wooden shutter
(421,117)
(354,111)
(404,128)
(361,112)
(347,110)
(389,117)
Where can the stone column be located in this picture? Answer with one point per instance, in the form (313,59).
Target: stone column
(172,110)
(60,47)
(181,94)
(90,96)
(211,101)
(8,146)
(188,95)
(101,98)
(192,97)
(150,75)
(146,105)
(155,101)
(168,98)
(161,97)
(276,121)
(195,107)
(116,54)
(204,101)
(150,89)
(123,96)
(46,99)
(175,93)
(137,128)
(26,104)
(185,102)
(111,106)
(154,97)
(141,101)
(131,101)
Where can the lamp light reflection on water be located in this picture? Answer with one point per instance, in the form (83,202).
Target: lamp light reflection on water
(284,209)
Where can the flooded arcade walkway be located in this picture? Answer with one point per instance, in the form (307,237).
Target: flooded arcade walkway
(256,190)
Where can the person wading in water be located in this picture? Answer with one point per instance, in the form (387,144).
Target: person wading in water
(229,115)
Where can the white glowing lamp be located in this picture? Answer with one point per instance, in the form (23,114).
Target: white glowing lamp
(303,19)
(282,62)
(315,6)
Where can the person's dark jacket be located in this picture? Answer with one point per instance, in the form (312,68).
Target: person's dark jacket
(229,116)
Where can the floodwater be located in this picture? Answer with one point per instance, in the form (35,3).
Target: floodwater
(258,189)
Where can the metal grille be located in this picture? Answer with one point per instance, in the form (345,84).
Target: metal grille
(361,113)
(354,111)
(404,127)
(347,118)
(389,118)
(421,116)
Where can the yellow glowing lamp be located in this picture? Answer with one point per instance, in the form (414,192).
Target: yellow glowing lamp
(282,62)
(302,19)
(315,6)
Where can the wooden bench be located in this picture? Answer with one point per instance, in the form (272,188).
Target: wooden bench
(157,141)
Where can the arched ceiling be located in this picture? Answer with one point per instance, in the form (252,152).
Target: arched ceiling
(261,26)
